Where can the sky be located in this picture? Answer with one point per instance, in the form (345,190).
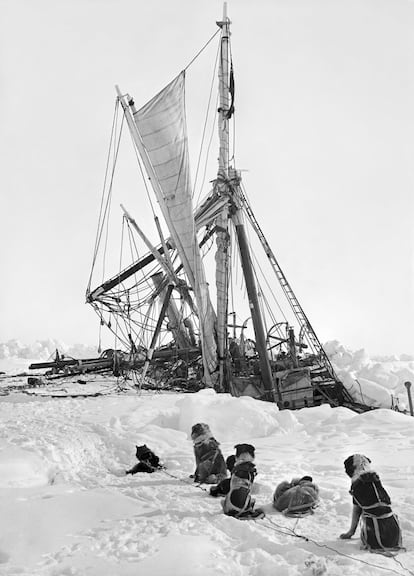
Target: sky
(324,94)
(69,509)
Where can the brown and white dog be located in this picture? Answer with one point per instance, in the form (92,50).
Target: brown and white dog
(380,529)
(210,464)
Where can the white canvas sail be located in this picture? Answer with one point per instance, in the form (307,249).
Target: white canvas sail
(162,127)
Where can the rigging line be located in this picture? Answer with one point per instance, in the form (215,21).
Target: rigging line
(237,267)
(205,121)
(120,269)
(231,272)
(145,276)
(233,158)
(109,202)
(208,151)
(144,177)
(274,297)
(202,49)
(291,532)
(260,295)
(269,287)
(131,246)
(99,230)
(297,309)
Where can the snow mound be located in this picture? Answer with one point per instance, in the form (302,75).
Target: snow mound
(22,469)
(228,417)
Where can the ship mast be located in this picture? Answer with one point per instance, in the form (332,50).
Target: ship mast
(228,183)
(224,96)
(222,223)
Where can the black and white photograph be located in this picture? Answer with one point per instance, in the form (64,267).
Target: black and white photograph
(207,295)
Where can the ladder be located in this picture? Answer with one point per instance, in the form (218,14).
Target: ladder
(297,309)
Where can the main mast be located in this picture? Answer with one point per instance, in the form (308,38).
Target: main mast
(222,236)
(228,183)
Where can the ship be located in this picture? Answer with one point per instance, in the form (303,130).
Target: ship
(198,298)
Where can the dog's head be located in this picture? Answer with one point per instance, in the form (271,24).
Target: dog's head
(306,479)
(357,464)
(200,430)
(143,452)
(244,452)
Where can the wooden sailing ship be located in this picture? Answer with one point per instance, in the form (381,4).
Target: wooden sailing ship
(171,319)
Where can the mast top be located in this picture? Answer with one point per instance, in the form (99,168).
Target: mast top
(225,20)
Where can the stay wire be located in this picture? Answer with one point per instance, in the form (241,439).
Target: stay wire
(101,216)
(202,49)
(144,178)
(213,129)
(113,129)
(205,124)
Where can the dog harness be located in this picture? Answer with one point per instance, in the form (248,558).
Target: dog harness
(238,500)
(373,514)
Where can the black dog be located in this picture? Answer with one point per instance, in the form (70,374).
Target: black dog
(380,529)
(148,461)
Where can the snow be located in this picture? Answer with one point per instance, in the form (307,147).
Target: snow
(68,509)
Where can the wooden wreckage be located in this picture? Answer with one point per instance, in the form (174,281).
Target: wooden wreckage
(160,305)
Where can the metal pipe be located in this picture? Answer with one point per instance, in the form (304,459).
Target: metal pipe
(410,400)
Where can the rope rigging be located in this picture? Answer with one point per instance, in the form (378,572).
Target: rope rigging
(103,216)
(201,50)
(204,131)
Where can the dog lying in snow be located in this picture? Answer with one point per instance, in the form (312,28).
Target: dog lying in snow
(148,461)
(210,465)
(380,529)
(297,497)
(238,501)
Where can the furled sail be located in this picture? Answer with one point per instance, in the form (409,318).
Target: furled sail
(162,127)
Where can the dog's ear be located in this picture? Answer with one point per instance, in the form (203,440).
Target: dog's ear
(306,479)
(230,461)
(349,465)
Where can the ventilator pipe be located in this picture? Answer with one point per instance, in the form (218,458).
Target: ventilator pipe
(410,400)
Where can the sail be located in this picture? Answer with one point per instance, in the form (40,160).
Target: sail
(162,127)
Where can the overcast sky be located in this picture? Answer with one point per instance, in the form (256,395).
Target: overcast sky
(324,104)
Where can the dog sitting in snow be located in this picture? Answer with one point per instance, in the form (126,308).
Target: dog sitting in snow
(238,501)
(380,529)
(296,498)
(147,461)
(210,464)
